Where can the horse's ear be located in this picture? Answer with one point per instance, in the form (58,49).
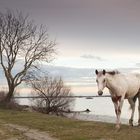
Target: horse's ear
(96,71)
(104,72)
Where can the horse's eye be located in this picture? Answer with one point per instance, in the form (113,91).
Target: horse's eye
(104,81)
(96,80)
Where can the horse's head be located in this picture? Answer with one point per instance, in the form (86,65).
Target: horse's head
(101,81)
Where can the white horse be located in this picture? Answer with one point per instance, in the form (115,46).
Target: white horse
(120,87)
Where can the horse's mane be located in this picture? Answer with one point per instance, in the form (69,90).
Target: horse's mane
(114,72)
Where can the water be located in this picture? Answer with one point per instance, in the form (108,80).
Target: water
(104,107)
(98,106)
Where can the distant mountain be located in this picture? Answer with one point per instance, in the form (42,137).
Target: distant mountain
(69,74)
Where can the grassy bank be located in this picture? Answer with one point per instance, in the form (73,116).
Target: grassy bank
(69,129)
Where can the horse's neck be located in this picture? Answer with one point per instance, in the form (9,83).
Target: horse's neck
(110,82)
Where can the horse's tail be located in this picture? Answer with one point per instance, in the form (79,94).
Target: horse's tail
(135,99)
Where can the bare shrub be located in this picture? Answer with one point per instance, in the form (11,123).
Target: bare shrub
(53,95)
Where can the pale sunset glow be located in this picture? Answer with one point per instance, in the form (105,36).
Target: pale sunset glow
(108,30)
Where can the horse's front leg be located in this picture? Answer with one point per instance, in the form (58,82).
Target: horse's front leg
(115,101)
(121,100)
(118,103)
(116,111)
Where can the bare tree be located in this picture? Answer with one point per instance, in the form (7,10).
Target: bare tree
(53,95)
(21,39)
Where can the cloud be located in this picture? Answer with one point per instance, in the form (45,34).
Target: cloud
(88,56)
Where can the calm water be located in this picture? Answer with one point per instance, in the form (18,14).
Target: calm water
(97,106)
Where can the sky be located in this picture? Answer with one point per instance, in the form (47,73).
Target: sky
(89,33)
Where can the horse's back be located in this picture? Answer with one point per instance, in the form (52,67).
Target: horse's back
(128,84)
(133,81)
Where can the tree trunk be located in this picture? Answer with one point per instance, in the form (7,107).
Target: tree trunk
(9,95)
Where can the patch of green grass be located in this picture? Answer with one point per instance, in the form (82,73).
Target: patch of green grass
(70,129)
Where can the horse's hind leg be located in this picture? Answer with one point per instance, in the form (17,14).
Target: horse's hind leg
(139,109)
(132,105)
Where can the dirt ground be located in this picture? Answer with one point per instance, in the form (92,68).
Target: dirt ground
(16,132)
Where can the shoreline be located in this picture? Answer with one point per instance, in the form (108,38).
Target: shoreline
(98,118)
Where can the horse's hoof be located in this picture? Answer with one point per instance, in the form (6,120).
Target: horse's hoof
(131,125)
(117,127)
(138,125)
(131,122)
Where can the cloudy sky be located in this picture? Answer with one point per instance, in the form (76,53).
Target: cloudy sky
(89,33)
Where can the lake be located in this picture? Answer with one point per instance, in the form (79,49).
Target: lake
(101,106)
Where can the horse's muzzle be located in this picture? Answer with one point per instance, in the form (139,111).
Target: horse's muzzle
(100,93)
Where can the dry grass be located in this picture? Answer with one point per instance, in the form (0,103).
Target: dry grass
(7,133)
(69,129)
